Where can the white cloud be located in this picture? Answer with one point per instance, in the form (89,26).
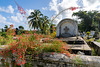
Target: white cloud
(21,18)
(53,5)
(9,9)
(17,18)
(57,6)
(91,4)
(44,8)
(29,11)
(4,20)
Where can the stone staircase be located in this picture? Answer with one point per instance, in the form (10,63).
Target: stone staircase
(77,44)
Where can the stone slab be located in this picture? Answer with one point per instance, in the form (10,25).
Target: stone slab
(76,46)
(80,47)
(62,60)
(71,39)
(96,43)
(96,46)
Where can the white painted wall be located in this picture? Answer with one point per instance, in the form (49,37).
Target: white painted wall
(70,24)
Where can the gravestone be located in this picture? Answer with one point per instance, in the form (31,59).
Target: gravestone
(66,28)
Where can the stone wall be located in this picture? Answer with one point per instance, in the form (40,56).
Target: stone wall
(96,46)
(61,60)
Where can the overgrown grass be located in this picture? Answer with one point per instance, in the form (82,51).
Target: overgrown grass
(98,40)
(5,41)
(89,40)
(93,52)
(31,44)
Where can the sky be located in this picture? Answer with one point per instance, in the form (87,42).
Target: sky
(9,13)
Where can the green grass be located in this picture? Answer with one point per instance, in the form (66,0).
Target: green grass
(98,40)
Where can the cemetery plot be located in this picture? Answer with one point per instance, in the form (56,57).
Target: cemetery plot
(77,45)
(67,29)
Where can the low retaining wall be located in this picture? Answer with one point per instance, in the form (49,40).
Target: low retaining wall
(96,46)
(61,60)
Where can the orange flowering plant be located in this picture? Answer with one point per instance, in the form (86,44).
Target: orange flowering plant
(32,44)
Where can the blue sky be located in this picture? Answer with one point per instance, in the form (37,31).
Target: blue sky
(6,14)
(9,13)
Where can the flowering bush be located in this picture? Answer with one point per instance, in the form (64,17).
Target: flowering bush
(53,35)
(7,38)
(11,30)
(31,44)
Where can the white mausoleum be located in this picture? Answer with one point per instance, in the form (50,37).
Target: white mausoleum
(67,28)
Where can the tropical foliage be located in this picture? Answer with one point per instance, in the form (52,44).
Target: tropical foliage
(31,44)
(38,21)
(88,20)
(97,18)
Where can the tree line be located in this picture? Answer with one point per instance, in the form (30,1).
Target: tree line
(18,30)
(90,20)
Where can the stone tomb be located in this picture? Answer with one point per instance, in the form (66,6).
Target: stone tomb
(66,28)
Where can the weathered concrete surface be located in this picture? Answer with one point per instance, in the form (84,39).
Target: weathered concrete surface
(96,46)
(61,60)
(71,39)
(96,43)
(83,46)
(77,44)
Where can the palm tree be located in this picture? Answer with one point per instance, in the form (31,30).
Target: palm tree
(45,24)
(35,21)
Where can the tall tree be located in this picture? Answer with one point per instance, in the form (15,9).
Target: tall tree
(35,21)
(87,19)
(6,27)
(97,18)
(21,27)
(45,24)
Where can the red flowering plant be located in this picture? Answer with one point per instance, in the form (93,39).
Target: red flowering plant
(8,38)
(32,44)
(11,30)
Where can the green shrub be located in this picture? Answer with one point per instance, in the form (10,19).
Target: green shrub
(2,40)
(93,52)
(4,34)
(98,40)
(88,33)
(53,35)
